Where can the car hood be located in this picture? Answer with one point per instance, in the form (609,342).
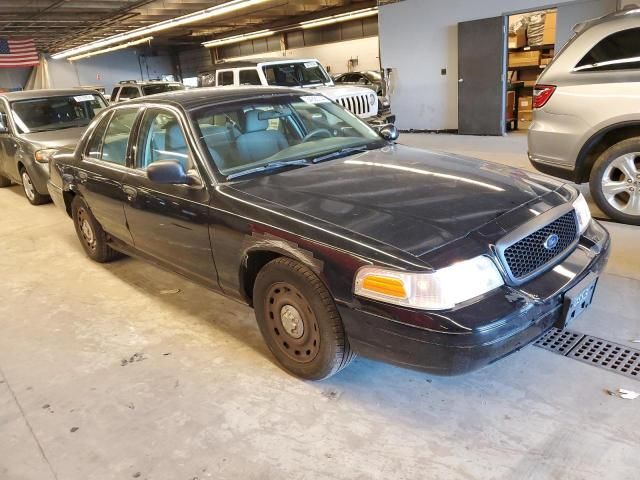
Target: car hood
(335,91)
(411,199)
(63,138)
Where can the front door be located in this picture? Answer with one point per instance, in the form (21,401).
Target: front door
(103,167)
(169,222)
(481,76)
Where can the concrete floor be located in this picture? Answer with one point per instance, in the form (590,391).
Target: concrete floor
(107,373)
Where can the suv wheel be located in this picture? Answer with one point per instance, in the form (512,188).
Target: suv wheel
(299,320)
(615,181)
(30,191)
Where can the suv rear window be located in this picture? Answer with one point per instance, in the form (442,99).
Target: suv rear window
(618,51)
(249,77)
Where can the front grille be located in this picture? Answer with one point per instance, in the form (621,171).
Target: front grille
(358,105)
(530,254)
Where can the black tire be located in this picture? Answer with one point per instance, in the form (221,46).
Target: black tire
(90,233)
(605,167)
(4,182)
(30,191)
(322,348)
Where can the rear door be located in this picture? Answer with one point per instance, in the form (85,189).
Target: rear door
(481,76)
(103,167)
(169,222)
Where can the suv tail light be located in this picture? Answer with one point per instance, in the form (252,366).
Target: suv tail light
(542,94)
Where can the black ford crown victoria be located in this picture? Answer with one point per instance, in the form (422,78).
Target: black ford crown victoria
(342,241)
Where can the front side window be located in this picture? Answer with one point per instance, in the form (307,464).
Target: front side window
(162,88)
(114,94)
(618,51)
(249,77)
(162,139)
(296,74)
(4,121)
(225,78)
(56,113)
(116,137)
(246,137)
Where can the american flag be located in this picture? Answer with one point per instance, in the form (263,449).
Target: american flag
(17,53)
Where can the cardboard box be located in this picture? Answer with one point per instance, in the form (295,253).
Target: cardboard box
(528,75)
(525,103)
(549,35)
(524,59)
(511,103)
(525,116)
(545,61)
(518,39)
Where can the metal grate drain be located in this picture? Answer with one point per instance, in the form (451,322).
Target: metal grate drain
(593,351)
(560,341)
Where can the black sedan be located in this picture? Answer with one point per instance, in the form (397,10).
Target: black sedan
(342,241)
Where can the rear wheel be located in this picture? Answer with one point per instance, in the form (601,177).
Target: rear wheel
(615,181)
(30,191)
(92,237)
(299,321)
(4,182)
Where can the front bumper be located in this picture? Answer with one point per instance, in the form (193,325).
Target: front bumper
(473,336)
(56,195)
(382,118)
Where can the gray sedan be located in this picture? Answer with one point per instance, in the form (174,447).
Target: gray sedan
(34,125)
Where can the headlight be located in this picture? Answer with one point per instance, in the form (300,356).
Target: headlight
(439,290)
(44,155)
(583,214)
(372,99)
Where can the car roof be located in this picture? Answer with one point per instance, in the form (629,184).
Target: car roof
(198,97)
(254,62)
(126,83)
(46,93)
(621,16)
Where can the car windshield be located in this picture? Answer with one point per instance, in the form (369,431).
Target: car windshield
(296,74)
(266,135)
(162,88)
(55,113)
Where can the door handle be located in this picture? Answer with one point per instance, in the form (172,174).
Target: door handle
(130,192)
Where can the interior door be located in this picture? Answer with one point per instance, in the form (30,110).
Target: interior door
(482,47)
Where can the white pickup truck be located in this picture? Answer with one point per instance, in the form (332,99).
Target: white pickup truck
(303,73)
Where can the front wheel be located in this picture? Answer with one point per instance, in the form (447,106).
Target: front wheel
(615,181)
(30,191)
(90,233)
(299,320)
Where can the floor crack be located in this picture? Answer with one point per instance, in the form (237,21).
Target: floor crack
(26,421)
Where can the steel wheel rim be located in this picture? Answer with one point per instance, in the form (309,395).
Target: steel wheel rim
(27,185)
(621,183)
(86,230)
(292,323)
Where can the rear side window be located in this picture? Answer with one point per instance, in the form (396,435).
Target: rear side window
(116,138)
(114,94)
(128,93)
(225,78)
(94,147)
(618,51)
(249,77)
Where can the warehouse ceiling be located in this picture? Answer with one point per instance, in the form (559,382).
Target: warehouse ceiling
(56,25)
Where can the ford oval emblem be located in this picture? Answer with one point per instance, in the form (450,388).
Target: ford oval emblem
(551,242)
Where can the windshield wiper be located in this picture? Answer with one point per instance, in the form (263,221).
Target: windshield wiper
(267,167)
(343,152)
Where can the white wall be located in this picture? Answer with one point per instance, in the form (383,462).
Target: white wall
(108,69)
(419,37)
(336,55)
(13,78)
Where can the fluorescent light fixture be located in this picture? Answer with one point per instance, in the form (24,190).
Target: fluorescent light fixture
(218,10)
(111,49)
(238,38)
(344,17)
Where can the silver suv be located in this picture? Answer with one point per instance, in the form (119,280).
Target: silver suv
(586,121)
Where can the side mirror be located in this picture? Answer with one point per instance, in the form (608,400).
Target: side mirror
(169,172)
(389,132)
